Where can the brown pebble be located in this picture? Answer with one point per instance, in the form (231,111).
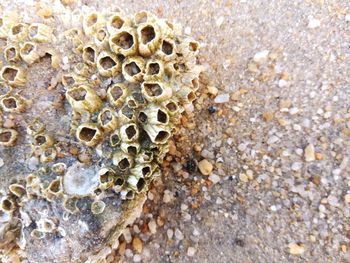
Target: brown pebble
(268,116)
(74,150)
(137,245)
(205,167)
(121,248)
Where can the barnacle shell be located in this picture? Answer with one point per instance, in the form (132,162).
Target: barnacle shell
(106,97)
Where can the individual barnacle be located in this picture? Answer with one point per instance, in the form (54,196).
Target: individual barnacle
(46,225)
(118,183)
(136,184)
(54,57)
(35,127)
(129,132)
(90,54)
(106,178)
(144,157)
(124,42)
(13,103)
(48,155)
(189,47)
(142,170)
(36,234)
(89,134)
(131,148)
(7,205)
(117,93)
(154,115)
(59,168)
(159,134)
(38,32)
(186,95)
(18,32)
(70,205)
(114,139)
(172,107)
(116,22)
(69,80)
(6,22)
(107,119)
(8,137)
(167,50)
(83,99)
(92,22)
(133,68)
(101,38)
(55,189)
(148,37)
(156,91)
(122,160)
(11,53)
(17,189)
(126,114)
(154,70)
(82,69)
(97,207)
(43,141)
(29,52)
(143,17)
(13,75)
(108,64)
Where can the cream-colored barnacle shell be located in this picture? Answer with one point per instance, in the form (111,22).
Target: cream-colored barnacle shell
(48,155)
(7,205)
(143,17)
(18,32)
(118,183)
(133,69)
(71,79)
(154,115)
(149,38)
(108,64)
(13,103)
(13,75)
(82,70)
(101,38)
(54,56)
(129,132)
(186,95)
(83,99)
(97,207)
(132,148)
(106,178)
(39,32)
(156,91)
(137,184)
(167,28)
(90,54)
(114,138)
(159,134)
(107,119)
(55,189)
(117,22)
(8,137)
(11,53)
(144,157)
(59,168)
(142,170)
(17,190)
(92,22)
(167,50)
(126,115)
(43,141)
(124,42)
(35,127)
(189,48)
(122,160)
(46,225)
(29,52)
(89,134)
(70,204)
(6,22)
(154,70)
(172,107)
(117,93)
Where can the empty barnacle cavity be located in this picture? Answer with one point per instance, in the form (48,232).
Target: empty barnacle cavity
(43,141)
(129,132)
(8,137)
(89,54)
(107,119)
(154,115)
(13,75)
(114,139)
(167,50)
(149,38)
(122,160)
(48,155)
(133,68)
(116,94)
(101,38)
(17,189)
(124,42)
(97,207)
(142,170)
(40,32)
(29,52)
(80,180)
(83,99)
(154,70)
(7,205)
(108,64)
(136,183)
(141,17)
(156,91)
(159,134)
(116,22)
(18,32)
(11,53)
(131,148)
(92,22)
(13,103)
(89,134)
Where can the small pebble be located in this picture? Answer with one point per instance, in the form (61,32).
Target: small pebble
(212,90)
(137,258)
(296,166)
(128,253)
(137,244)
(309,153)
(178,234)
(170,233)
(314,23)
(214,178)
(1,162)
(261,56)
(152,225)
(222,98)
(243,178)
(127,235)
(212,109)
(205,167)
(191,251)
(219,21)
(296,249)
(347,198)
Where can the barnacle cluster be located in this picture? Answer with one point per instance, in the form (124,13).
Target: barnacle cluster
(126,80)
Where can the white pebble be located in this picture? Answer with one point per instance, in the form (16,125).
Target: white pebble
(272,140)
(296,166)
(219,21)
(127,235)
(191,251)
(222,98)
(187,30)
(214,178)
(1,162)
(168,196)
(347,18)
(170,233)
(178,234)
(293,110)
(314,23)
(137,258)
(332,200)
(283,83)
(261,56)
(128,253)
(152,225)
